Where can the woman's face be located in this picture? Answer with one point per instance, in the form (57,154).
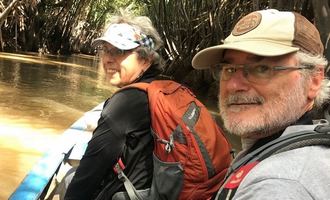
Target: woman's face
(122,67)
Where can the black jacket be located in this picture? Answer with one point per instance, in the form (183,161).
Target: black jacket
(123,131)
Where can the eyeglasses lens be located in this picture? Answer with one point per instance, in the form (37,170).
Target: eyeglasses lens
(253,73)
(113,52)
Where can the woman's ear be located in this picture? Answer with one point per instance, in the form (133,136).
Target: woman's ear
(144,59)
(315,83)
(146,63)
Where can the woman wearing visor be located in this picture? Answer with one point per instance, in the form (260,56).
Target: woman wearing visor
(128,55)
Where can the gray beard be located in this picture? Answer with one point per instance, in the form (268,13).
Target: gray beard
(283,111)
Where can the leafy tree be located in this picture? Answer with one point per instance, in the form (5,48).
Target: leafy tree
(62,26)
(4,14)
(186,26)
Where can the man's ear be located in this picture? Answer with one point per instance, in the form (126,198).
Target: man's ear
(315,83)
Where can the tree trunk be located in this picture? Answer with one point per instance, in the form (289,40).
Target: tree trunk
(3,17)
(16,35)
(322,19)
(5,13)
(1,42)
(255,4)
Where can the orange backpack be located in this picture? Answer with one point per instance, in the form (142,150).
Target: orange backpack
(191,153)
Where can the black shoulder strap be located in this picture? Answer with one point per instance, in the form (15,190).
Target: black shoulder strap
(320,135)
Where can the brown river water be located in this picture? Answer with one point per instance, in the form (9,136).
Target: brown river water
(40,97)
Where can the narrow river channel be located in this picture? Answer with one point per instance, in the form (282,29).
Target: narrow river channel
(41,96)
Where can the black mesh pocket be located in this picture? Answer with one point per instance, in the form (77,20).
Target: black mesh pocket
(167,180)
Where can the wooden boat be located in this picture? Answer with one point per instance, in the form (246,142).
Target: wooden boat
(39,182)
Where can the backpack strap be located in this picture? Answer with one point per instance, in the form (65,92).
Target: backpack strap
(320,135)
(140,85)
(130,189)
(119,166)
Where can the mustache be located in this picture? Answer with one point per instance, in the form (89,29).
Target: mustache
(243,99)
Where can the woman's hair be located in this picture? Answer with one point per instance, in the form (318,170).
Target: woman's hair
(320,63)
(145,25)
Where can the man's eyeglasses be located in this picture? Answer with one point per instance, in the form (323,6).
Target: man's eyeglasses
(258,73)
(113,52)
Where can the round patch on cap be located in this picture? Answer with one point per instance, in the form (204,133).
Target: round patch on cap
(247,24)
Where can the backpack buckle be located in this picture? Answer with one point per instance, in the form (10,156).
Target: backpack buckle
(170,144)
(322,128)
(119,166)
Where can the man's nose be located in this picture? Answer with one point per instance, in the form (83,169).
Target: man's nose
(238,81)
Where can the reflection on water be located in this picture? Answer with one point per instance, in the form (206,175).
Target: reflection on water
(40,98)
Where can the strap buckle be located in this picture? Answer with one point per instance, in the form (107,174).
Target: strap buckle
(119,166)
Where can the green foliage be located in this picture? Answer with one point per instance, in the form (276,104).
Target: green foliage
(63,26)
(186,26)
